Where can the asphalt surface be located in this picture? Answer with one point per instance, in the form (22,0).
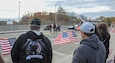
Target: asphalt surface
(61,53)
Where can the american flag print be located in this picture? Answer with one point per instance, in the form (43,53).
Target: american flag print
(112,30)
(6,45)
(82,18)
(66,37)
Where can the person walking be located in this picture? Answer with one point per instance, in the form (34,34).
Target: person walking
(51,27)
(54,28)
(104,36)
(91,49)
(32,46)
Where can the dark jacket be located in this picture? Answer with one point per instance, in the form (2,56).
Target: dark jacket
(91,50)
(105,39)
(17,53)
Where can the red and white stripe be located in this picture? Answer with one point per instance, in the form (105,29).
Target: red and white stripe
(69,39)
(60,40)
(81,18)
(113,30)
(5,45)
(73,39)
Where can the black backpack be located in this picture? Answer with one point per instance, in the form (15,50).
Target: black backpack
(34,51)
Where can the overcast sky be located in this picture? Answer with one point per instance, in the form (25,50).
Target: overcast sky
(90,8)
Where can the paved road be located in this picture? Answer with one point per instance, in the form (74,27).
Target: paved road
(61,53)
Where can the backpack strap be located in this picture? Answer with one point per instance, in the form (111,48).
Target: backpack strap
(104,40)
(42,44)
(25,45)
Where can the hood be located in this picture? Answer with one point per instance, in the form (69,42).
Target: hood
(36,32)
(91,42)
(33,35)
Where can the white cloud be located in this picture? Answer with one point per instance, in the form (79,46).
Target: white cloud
(89,0)
(10,8)
(92,9)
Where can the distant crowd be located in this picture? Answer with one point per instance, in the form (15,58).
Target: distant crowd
(53,27)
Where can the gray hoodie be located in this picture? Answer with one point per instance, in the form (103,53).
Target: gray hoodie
(91,50)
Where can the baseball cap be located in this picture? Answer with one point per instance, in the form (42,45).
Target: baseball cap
(36,21)
(87,27)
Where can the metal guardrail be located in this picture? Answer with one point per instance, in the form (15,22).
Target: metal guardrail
(13,27)
(20,28)
(14,31)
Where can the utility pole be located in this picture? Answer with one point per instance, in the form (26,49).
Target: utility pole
(19,11)
(60,13)
(55,11)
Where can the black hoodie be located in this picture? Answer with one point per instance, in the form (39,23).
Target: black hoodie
(91,50)
(17,53)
